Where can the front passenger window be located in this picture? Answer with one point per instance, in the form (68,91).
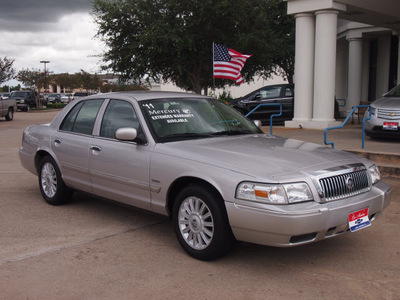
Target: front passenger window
(118,114)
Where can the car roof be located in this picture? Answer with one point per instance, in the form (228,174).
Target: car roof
(147,95)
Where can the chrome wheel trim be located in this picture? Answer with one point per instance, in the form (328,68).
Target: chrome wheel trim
(48,179)
(196,223)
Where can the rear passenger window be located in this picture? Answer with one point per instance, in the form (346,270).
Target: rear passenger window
(81,118)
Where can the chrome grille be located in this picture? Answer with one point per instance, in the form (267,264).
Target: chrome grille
(345,185)
(389,114)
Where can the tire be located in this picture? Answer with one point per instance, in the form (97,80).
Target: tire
(201,224)
(52,187)
(10,114)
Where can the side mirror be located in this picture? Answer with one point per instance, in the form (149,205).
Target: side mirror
(258,123)
(129,134)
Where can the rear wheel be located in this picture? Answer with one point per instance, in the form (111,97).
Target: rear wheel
(52,187)
(10,114)
(201,223)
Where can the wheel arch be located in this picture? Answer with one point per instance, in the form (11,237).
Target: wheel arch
(39,156)
(182,182)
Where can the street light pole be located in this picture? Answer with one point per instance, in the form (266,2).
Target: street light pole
(45,74)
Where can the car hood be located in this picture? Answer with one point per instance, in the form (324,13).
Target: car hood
(262,155)
(387,102)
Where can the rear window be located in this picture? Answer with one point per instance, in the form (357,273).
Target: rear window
(81,94)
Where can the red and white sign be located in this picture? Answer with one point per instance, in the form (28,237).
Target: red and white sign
(359,220)
(390,125)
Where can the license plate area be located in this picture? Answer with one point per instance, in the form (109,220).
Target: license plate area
(390,125)
(359,220)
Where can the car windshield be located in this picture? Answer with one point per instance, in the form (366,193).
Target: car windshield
(180,119)
(81,94)
(19,94)
(394,92)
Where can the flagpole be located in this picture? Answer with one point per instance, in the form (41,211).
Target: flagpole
(213,69)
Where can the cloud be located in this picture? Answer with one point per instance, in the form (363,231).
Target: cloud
(62,32)
(34,15)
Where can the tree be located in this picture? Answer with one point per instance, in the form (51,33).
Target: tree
(67,81)
(172,39)
(89,81)
(7,72)
(32,78)
(283,27)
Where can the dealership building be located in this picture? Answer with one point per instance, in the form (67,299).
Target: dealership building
(345,49)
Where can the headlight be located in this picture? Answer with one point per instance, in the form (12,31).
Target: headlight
(22,101)
(373,110)
(274,194)
(374,173)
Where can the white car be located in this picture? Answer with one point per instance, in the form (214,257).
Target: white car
(66,97)
(385,116)
(201,162)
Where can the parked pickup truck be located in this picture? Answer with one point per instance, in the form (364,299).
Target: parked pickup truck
(7,108)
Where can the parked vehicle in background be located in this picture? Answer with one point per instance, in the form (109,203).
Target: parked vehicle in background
(4,95)
(66,97)
(215,173)
(53,98)
(25,99)
(272,94)
(42,99)
(8,107)
(79,95)
(385,116)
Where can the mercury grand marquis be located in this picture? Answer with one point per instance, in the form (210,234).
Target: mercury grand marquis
(216,174)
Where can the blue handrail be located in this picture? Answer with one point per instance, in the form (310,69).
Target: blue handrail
(273,115)
(344,122)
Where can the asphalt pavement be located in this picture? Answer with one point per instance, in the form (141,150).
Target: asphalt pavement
(92,249)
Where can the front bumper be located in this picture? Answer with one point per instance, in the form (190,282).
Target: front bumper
(375,128)
(22,106)
(296,224)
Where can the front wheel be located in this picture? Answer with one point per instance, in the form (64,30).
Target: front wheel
(201,223)
(10,114)
(52,187)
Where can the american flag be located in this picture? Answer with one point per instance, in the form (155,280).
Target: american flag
(228,63)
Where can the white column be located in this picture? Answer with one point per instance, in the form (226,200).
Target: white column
(325,68)
(398,61)
(304,67)
(354,88)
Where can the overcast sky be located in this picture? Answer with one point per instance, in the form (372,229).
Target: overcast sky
(59,31)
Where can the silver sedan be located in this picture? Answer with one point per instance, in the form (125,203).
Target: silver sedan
(385,116)
(214,172)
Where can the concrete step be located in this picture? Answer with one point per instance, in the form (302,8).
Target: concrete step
(388,163)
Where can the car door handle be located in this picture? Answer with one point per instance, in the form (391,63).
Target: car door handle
(57,141)
(95,148)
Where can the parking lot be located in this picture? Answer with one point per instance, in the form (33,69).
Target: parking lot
(92,249)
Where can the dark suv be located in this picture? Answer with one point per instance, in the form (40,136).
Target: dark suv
(25,99)
(271,94)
